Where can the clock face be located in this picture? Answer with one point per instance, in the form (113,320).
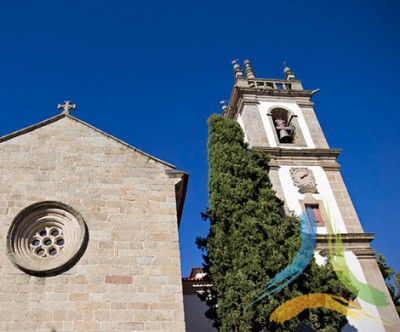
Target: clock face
(301,175)
(303,178)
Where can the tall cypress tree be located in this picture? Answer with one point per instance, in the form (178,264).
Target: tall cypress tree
(251,240)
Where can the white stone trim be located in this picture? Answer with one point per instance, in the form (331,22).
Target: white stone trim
(241,123)
(367,324)
(265,109)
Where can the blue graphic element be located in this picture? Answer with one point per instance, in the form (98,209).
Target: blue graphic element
(308,233)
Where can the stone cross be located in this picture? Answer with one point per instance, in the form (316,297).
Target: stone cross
(66,107)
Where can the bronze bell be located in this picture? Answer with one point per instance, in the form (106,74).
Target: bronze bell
(285,136)
(285,132)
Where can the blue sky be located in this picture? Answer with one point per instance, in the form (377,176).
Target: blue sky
(152,72)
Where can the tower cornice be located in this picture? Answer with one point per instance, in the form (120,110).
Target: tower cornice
(326,158)
(250,89)
(291,152)
(358,243)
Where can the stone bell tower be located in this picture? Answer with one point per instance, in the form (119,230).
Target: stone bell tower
(277,116)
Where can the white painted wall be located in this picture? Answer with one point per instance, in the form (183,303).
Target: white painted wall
(325,195)
(367,325)
(265,106)
(240,121)
(293,197)
(320,260)
(362,325)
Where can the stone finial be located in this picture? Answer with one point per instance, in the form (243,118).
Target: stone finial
(224,106)
(238,70)
(249,71)
(66,107)
(289,75)
(236,67)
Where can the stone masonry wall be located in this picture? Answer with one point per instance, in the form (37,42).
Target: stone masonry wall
(253,126)
(314,127)
(129,277)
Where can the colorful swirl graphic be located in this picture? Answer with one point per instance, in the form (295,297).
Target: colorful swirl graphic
(365,292)
(308,235)
(292,308)
(368,293)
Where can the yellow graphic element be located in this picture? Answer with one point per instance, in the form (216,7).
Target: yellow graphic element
(292,308)
(368,293)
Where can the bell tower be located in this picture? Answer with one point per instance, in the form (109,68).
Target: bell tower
(277,117)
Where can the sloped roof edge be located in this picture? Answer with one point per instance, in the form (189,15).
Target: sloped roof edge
(180,190)
(63,115)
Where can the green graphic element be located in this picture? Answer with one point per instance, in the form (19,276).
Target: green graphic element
(365,292)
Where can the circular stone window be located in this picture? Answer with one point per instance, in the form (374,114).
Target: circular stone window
(46,238)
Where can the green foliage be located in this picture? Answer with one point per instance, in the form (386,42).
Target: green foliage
(392,280)
(251,240)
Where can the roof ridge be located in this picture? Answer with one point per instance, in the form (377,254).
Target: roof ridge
(63,115)
(30,128)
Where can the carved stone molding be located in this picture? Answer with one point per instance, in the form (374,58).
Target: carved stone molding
(46,238)
(358,243)
(304,179)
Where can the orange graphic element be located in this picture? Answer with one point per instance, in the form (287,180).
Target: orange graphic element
(292,308)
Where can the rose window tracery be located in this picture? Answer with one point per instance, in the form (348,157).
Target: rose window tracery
(46,238)
(47,242)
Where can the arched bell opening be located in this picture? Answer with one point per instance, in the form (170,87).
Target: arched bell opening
(282,124)
(286,127)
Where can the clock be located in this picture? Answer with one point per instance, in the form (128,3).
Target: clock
(303,178)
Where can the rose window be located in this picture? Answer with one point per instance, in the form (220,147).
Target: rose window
(47,238)
(47,242)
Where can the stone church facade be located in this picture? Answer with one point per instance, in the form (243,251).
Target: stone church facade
(89,232)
